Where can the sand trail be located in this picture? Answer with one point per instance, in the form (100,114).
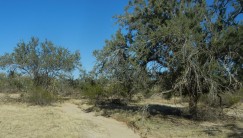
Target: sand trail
(63,121)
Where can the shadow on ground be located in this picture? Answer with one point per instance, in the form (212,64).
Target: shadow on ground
(236,131)
(152,109)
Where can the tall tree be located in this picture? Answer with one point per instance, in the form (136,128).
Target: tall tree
(116,62)
(196,44)
(113,62)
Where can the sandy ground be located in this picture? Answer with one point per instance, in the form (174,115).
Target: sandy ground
(67,120)
(64,120)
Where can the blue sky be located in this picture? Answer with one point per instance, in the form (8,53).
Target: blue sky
(75,24)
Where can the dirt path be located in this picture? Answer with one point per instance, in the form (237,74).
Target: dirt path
(107,127)
(63,121)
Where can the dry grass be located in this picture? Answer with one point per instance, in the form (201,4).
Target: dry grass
(65,120)
(61,120)
(166,125)
(170,127)
(34,121)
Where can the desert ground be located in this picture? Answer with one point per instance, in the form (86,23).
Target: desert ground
(62,120)
(68,119)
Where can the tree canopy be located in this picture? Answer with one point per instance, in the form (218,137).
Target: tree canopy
(41,61)
(195,47)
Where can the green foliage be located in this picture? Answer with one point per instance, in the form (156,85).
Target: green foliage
(39,71)
(188,47)
(3,82)
(115,63)
(14,82)
(41,61)
(94,92)
(117,91)
(227,99)
(102,90)
(231,99)
(40,96)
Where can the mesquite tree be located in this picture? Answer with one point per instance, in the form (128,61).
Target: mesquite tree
(41,61)
(197,46)
(114,62)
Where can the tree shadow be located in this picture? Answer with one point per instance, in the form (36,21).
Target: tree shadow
(212,131)
(151,110)
(236,131)
(155,109)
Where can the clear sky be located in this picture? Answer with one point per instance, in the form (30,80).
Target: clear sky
(75,24)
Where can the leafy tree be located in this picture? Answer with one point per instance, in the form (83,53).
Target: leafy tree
(116,64)
(113,63)
(195,46)
(42,61)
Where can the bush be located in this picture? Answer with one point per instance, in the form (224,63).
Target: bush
(15,83)
(228,99)
(118,91)
(40,96)
(3,82)
(94,92)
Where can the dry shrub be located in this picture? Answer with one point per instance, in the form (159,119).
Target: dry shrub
(227,99)
(40,96)
(211,109)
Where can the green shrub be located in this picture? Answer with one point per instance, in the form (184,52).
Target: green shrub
(14,84)
(228,99)
(40,96)
(94,92)
(117,91)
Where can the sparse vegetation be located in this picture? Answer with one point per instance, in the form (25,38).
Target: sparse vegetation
(39,96)
(170,64)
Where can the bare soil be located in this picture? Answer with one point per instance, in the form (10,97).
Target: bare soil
(62,120)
